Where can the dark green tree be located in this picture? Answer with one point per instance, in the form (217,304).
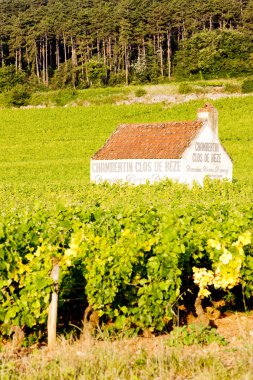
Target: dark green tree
(215,54)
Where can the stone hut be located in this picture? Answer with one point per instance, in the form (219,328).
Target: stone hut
(184,151)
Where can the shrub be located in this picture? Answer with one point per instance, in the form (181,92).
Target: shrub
(247,86)
(97,73)
(232,87)
(10,78)
(185,88)
(116,79)
(193,334)
(64,97)
(140,92)
(140,71)
(18,96)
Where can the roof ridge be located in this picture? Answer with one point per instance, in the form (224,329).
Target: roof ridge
(173,122)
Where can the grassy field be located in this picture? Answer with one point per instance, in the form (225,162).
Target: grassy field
(48,150)
(45,157)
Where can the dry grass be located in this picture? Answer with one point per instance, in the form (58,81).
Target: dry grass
(138,358)
(162,89)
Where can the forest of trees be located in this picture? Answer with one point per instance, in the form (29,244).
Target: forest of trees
(80,43)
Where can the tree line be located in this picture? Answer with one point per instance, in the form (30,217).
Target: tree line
(81,43)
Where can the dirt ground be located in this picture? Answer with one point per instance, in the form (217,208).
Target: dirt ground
(235,327)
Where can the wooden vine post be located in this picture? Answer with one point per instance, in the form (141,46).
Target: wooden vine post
(52,312)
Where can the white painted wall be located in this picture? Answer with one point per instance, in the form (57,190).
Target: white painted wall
(135,171)
(206,157)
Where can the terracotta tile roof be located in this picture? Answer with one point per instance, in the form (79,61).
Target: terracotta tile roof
(149,141)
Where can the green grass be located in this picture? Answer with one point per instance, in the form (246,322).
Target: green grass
(49,150)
